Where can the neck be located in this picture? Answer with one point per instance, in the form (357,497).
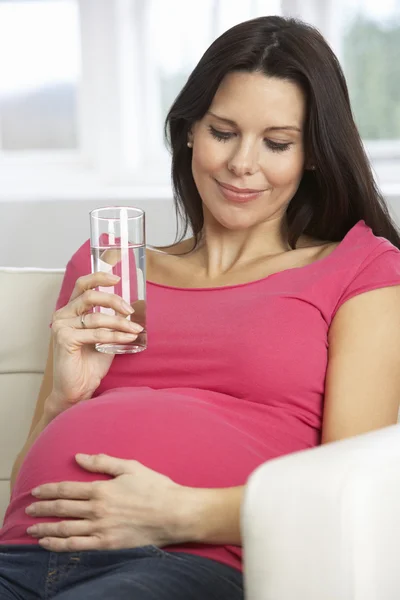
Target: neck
(222,250)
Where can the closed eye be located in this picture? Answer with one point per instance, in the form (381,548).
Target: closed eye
(221,136)
(225,136)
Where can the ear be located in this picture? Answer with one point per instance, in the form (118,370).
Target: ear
(310,163)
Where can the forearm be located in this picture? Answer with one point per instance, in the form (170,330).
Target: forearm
(212,516)
(41,425)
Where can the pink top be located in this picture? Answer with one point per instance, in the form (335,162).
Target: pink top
(233,376)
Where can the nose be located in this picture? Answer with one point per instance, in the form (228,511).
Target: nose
(244,161)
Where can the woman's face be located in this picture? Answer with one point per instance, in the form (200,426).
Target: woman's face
(250,138)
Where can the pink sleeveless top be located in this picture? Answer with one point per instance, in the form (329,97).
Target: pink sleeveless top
(232,377)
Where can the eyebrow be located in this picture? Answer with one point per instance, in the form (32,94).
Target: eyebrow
(275,128)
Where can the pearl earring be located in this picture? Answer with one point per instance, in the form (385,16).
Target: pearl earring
(190,144)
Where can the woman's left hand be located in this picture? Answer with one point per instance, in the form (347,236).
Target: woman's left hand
(138,507)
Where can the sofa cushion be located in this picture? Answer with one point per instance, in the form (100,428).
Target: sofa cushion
(27,300)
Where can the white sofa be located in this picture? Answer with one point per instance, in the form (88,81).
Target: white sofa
(323,524)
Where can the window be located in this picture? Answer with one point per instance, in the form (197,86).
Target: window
(181,42)
(175,45)
(365,35)
(39,73)
(85,84)
(370,54)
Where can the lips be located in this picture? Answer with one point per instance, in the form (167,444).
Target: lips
(239,190)
(235,194)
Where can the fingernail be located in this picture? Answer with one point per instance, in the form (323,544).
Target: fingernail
(32,530)
(82,456)
(113,277)
(127,307)
(29,510)
(35,492)
(136,327)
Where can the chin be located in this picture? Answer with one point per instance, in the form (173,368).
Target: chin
(230,218)
(236,224)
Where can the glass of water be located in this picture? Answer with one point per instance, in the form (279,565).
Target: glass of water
(118,246)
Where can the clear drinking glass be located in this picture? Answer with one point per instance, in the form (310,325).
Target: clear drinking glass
(118,246)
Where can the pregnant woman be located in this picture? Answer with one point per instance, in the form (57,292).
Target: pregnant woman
(274,328)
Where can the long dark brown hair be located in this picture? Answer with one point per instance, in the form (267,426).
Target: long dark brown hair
(341,190)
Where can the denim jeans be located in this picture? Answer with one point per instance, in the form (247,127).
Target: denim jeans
(147,573)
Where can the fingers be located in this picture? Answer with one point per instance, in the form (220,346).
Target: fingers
(99,321)
(61,508)
(63,529)
(75,543)
(100,329)
(140,312)
(93,280)
(90,299)
(76,490)
(70,338)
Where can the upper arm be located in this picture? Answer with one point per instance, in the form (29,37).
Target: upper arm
(362,387)
(45,388)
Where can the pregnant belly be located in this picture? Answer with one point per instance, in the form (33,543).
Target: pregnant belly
(186,438)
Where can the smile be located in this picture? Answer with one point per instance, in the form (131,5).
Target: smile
(238,195)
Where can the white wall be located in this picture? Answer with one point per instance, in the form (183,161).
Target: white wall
(45,233)
(39,233)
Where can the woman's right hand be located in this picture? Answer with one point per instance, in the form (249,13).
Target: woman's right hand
(78,366)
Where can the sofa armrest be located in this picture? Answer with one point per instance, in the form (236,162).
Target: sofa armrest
(324,524)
